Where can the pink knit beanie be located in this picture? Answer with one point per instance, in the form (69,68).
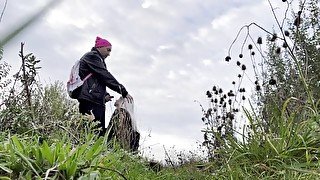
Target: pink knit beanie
(102,42)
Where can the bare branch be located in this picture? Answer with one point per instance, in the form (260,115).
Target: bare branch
(285,14)
(248,32)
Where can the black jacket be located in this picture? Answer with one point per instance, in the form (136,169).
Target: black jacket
(94,88)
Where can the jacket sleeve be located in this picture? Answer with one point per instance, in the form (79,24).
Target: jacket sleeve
(99,70)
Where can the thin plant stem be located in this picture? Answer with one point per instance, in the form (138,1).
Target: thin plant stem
(4,8)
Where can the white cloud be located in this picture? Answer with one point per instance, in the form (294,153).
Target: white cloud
(164,48)
(148,3)
(224,20)
(171,75)
(207,62)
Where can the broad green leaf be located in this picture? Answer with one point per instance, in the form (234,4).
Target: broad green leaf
(46,152)
(15,141)
(96,148)
(71,168)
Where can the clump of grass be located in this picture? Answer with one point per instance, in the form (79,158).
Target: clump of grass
(290,149)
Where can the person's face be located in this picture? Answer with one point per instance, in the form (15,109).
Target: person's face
(105,51)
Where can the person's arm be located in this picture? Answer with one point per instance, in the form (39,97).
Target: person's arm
(99,70)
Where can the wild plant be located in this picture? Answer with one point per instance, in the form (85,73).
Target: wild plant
(278,136)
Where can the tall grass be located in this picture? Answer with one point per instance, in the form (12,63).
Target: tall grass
(290,150)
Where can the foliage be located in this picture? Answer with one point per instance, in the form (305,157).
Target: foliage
(24,157)
(289,150)
(281,136)
(294,66)
(30,108)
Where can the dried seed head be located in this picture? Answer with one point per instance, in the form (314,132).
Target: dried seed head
(239,76)
(278,50)
(233,82)
(230,93)
(220,91)
(238,63)
(224,105)
(272,81)
(250,46)
(274,37)
(253,53)
(206,115)
(297,20)
(228,58)
(219,128)
(214,88)
(286,33)
(284,0)
(240,55)
(258,87)
(243,67)
(242,90)
(205,136)
(243,98)
(209,94)
(284,45)
(259,41)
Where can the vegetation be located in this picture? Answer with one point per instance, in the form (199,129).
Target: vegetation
(44,137)
(280,138)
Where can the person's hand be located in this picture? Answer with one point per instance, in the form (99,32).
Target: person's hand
(129,98)
(108,98)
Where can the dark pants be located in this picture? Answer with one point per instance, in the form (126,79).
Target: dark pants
(86,107)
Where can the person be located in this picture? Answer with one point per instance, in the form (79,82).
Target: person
(93,95)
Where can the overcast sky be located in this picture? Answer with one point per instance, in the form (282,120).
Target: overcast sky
(166,53)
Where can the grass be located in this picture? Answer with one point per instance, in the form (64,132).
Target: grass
(289,150)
